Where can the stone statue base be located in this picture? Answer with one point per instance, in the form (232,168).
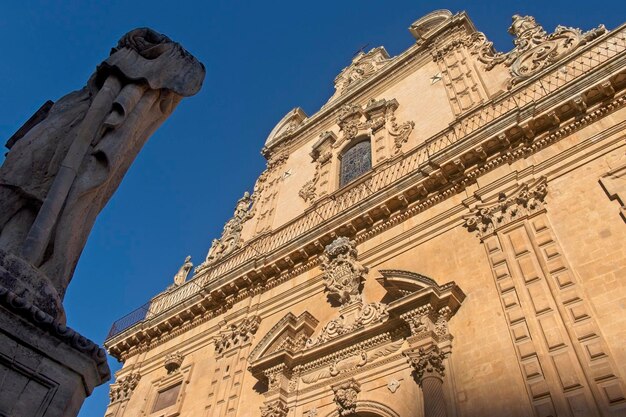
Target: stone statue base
(46,369)
(23,279)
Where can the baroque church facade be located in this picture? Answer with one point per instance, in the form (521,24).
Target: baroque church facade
(444,237)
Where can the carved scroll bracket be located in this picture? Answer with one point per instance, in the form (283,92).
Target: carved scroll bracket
(526,200)
(534,48)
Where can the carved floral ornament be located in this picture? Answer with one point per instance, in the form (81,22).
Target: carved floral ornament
(345,397)
(274,409)
(363,66)
(427,362)
(343,274)
(534,49)
(124,387)
(524,201)
(173,361)
(354,120)
(231,235)
(235,335)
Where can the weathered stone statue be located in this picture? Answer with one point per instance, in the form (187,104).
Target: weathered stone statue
(62,168)
(62,172)
(181,275)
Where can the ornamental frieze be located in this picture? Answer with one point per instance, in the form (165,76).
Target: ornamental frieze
(534,49)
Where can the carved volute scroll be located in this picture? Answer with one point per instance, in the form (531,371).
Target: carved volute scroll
(123,388)
(363,66)
(236,335)
(345,397)
(525,200)
(427,363)
(534,48)
(343,274)
(231,235)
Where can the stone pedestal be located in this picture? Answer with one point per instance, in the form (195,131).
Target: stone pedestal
(46,369)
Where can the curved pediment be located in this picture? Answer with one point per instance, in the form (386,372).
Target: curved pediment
(287,125)
(400,283)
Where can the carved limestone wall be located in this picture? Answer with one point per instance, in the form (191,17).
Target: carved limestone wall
(564,358)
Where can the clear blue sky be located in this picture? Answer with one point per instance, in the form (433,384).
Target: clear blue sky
(262,60)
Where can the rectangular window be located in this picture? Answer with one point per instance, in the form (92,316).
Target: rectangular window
(167,397)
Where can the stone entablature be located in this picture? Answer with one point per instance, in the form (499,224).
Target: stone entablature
(502,129)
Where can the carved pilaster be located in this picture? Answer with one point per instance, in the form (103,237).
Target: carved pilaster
(552,326)
(345,397)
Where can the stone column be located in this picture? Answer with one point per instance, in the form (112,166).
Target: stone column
(429,372)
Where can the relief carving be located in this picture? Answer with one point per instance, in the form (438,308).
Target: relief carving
(427,362)
(526,200)
(345,397)
(236,334)
(123,388)
(363,66)
(173,362)
(343,274)
(274,409)
(369,314)
(231,235)
(534,49)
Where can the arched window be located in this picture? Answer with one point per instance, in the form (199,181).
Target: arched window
(355,162)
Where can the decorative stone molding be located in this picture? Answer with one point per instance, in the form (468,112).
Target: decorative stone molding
(173,361)
(363,66)
(368,314)
(427,362)
(350,363)
(42,320)
(345,397)
(275,409)
(522,202)
(287,126)
(614,182)
(231,235)
(534,48)
(123,388)
(236,335)
(343,274)
(393,385)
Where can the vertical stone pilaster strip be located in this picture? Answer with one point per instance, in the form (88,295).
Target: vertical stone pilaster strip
(563,358)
